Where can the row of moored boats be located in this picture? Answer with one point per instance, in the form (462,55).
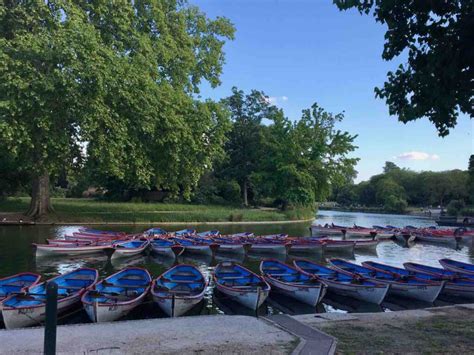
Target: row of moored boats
(180,288)
(430,234)
(118,244)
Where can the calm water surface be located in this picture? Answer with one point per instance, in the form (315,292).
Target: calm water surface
(17,254)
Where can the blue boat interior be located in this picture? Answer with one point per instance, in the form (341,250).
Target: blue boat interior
(329,274)
(459,264)
(378,275)
(284,272)
(16,283)
(123,286)
(133,244)
(182,279)
(236,276)
(68,285)
(162,243)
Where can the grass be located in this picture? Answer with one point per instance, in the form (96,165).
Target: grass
(69,210)
(439,334)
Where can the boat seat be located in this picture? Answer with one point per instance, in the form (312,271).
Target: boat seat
(64,287)
(81,277)
(182,281)
(234,277)
(184,274)
(285,274)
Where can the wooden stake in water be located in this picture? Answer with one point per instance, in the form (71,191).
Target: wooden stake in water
(51,318)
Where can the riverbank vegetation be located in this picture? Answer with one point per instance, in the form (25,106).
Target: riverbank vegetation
(71,210)
(396,189)
(104,97)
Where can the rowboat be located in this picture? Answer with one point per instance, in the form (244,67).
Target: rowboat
(117,295)
(229,245)
(209,234)
(457,284)
(99,232)
(303,246)
(28,308)
(366,244)
(292,282)
(184,233)
(318,229)
(130,248)
(385,232)
(343,283)
(78,242)
(179,289)
(268,247)
(434,238)
(358,231)
(241,284)
(203,246)
(343,246)
(68,249)
(166,247)
(457,266)
(400,285)
(17,283)
(155,232)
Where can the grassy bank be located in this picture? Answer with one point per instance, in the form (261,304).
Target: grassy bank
(450,333)
(378,210)
(91,211)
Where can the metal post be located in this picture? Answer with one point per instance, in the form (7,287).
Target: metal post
(51,318)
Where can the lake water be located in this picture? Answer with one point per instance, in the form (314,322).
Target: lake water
(17,255)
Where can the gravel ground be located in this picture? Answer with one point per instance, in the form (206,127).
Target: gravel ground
(187,335)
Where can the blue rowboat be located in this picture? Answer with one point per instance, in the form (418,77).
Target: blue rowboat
(457,266)
(155,232)
(209,234)
(343,283)
(17,283)
(117,295)
(28,308)
(192,245)
(241,284)
(179,289)
(292,282)
(129,248)
(400,285)
(166,247)
(184,233)
(457,284)
(229,245)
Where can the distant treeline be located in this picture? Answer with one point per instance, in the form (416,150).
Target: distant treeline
(396,189)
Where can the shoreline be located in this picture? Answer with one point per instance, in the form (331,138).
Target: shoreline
(32,223)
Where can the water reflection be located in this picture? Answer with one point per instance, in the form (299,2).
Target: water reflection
(16,255)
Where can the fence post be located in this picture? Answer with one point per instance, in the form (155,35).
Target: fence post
(51,318)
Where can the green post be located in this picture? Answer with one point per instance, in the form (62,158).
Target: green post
(51,318)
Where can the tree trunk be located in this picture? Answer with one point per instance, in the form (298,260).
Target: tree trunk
(40,204)
(244,192)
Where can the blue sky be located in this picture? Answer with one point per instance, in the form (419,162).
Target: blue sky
(304,51)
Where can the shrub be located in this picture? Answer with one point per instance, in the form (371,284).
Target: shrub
(455,206)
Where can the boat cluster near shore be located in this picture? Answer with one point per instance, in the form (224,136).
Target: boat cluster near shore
(177,290)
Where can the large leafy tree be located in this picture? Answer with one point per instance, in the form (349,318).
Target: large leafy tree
(243,147)
(112,82)
(470,182)
(305,159)
(438,37)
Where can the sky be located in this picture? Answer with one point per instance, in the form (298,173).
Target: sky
(304,51)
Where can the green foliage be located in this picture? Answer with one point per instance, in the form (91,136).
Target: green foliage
(470,184)
(396,204)
(436,81)
(113,83)
(303,160)
(455,207)
(404,186)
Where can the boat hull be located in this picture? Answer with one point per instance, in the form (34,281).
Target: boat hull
(64,250)
(127,252)
(27,316)
(175,306)
(307,294)
(251,299)
(231,249)
(280,249)
(99,313)
(362,293)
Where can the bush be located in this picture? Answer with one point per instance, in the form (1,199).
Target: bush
(455,206)
(468,211)
(395,204)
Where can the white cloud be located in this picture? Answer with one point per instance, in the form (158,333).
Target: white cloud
(417,156)
(284,98)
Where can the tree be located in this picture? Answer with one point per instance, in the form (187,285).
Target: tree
(389,167)
(304,159)
(471,179)
(436,82)
(243,147)
(113,83)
